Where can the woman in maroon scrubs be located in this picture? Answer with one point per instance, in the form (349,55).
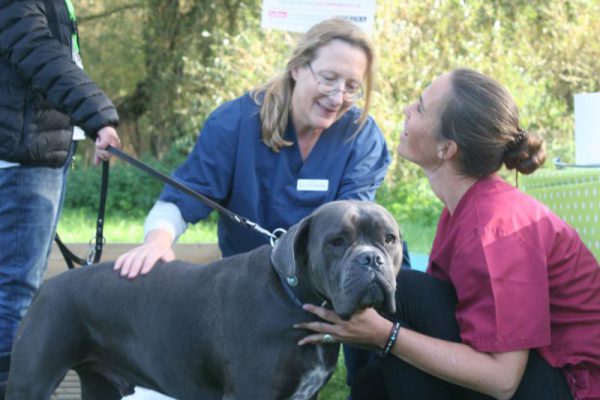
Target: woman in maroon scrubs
(510,304)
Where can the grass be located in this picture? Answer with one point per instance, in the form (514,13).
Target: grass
(336,388)
(77,226)
(419,237)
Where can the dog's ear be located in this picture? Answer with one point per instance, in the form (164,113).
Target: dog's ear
(290,250)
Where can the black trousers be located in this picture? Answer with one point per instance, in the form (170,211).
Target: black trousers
(427,305)
(356,358)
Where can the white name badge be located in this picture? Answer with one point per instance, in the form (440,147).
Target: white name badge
(312,185)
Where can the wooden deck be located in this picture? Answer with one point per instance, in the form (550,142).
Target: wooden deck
(198,253)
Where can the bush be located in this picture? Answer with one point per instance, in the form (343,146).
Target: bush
(131,192)
(411,201)
(539,50)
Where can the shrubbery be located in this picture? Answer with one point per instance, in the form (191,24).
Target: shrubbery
(130,191)
(133,192)
(411,201)
(540,50)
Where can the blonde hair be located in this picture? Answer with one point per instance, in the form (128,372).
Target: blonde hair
(275,97)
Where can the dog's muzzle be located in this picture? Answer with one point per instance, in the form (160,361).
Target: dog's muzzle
(367,281)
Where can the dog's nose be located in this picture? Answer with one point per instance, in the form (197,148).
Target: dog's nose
(370,259)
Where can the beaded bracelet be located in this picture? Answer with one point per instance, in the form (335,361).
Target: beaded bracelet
(391,339)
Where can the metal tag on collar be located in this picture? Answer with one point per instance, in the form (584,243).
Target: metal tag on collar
(292,280)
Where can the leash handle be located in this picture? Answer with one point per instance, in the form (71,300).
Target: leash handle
(186,189)
(96,249)
(96,243)
(70,258)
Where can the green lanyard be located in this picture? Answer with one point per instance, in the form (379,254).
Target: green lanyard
(73,18)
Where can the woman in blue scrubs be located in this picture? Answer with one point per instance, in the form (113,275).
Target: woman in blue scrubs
(280,151)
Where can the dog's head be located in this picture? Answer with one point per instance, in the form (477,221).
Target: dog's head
(349,252)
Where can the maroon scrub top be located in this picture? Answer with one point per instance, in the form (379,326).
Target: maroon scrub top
(524,280)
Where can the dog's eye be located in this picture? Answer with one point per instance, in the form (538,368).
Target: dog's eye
(336,242)
(390,239)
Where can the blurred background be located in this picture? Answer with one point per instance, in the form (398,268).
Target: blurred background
(167,64)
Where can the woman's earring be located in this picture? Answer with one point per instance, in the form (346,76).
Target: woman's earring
(442,152)
(447,151)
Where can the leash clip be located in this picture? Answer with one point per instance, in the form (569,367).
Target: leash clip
(274,237)
(94,247)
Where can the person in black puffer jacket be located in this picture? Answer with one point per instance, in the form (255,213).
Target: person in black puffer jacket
(44,94)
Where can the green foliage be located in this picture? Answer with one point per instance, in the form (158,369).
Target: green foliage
(539,50)
(188,62)
(411,201)
(111,43)
(130,191)
(238,65)
(336,388)
(169,64)
(78,226)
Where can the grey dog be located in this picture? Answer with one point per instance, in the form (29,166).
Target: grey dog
(217,331)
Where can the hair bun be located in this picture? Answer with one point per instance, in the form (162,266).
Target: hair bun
(517,140)
(525,152)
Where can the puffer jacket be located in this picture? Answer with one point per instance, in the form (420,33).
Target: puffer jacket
(42,91)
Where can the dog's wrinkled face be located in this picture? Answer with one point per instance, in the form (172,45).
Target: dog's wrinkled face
(350,251)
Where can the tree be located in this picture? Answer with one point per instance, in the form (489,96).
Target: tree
(180,59)
(160,34)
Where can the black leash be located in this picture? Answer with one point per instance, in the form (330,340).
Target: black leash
(178,185)
(96,248)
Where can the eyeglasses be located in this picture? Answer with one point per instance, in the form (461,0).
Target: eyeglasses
(331,87)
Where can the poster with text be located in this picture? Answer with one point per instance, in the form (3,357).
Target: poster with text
(300,15)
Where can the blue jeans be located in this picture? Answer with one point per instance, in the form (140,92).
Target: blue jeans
(31,203)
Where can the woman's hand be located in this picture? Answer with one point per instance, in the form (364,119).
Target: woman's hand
(495,374)
(365,328)
(140,260)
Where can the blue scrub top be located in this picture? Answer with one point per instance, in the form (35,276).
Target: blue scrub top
(231,165)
